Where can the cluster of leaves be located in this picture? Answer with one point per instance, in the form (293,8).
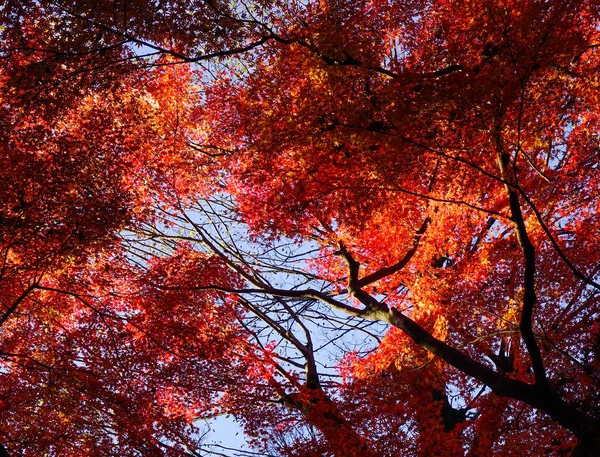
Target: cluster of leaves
(362,228)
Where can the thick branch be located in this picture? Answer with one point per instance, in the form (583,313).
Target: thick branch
(529,257)
(16,303)
(387,271)
(538,396)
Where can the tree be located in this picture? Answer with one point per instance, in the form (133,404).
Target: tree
(361,228)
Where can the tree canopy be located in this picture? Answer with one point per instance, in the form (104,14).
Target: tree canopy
(361,228)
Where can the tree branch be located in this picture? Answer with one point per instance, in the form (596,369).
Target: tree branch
(387,271)
(529,257)
(16,303)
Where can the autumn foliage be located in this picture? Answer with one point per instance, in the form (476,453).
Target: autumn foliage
(360,228)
